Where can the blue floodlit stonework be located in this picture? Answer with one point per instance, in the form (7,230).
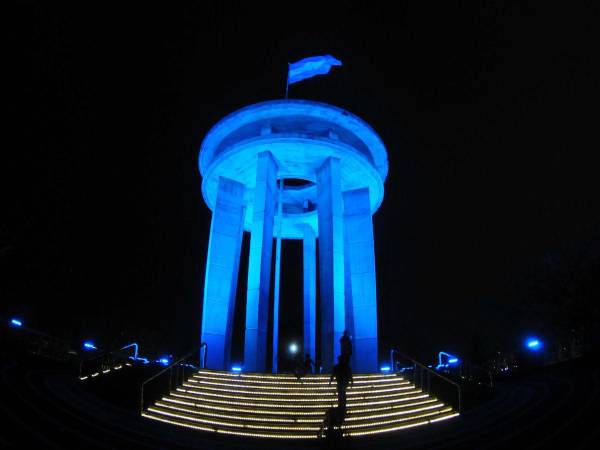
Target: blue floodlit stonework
(293,169)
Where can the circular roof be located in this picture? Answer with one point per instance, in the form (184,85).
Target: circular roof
(300,134)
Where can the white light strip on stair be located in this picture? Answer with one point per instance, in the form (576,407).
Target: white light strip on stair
(246,426)
(231,424)
(297,382)
(392,407)
(321,399)
(396,420)
(290,418)
(308,392)
(402,427)
(230,387)
(396,428)
(236,433)
(261,405)
(351,411)
(444,418)
(229,416)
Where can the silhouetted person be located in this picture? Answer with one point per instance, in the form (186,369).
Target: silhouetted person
(299,367)
(334,419)
(343,376)
(308,364)
(346,347)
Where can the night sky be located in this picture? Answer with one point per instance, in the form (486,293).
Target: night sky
(489,114)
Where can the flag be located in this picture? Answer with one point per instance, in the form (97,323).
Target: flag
(310,67)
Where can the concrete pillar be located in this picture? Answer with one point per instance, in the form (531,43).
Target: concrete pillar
(275,352)
(222,264)
(348,297)
(360,267)
(331,260)
(309,258)
(259,267)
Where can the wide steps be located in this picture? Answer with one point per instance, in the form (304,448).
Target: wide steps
(281,406)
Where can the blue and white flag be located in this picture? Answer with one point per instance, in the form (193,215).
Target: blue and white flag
(310,67)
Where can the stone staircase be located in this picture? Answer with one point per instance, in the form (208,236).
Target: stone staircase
(280,406)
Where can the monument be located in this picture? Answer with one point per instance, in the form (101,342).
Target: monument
(293,169)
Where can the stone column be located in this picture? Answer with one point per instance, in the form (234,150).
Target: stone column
(222,264)
(331,260)
(275,351)
(259,267)
(309,258)
(360,264)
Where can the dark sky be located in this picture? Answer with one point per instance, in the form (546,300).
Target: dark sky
(489,114)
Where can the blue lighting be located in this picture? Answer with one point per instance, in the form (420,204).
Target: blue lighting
(385,369)
(140,358)
(342,164)
(451,360)
(533,344)
(164,361)
(89,345)
(135,349)
(16,323)
(236,369)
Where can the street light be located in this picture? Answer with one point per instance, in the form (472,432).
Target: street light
(533,344)
(89,345)
(293,348)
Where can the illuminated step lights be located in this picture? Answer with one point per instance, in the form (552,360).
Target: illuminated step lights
(105,371)
(281,398)
(424,399)
(298,387)
(380,427)
(289,418)
(278,405)
(282,407)
(292,427)
(296,392)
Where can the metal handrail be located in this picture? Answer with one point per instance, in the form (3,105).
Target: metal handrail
(429,370)
(170,367)
(102,355)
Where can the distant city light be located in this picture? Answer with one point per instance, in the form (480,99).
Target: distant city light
(293,348)
(533,344)
(385,368)
(16,323)
(236,369)
(89,345)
